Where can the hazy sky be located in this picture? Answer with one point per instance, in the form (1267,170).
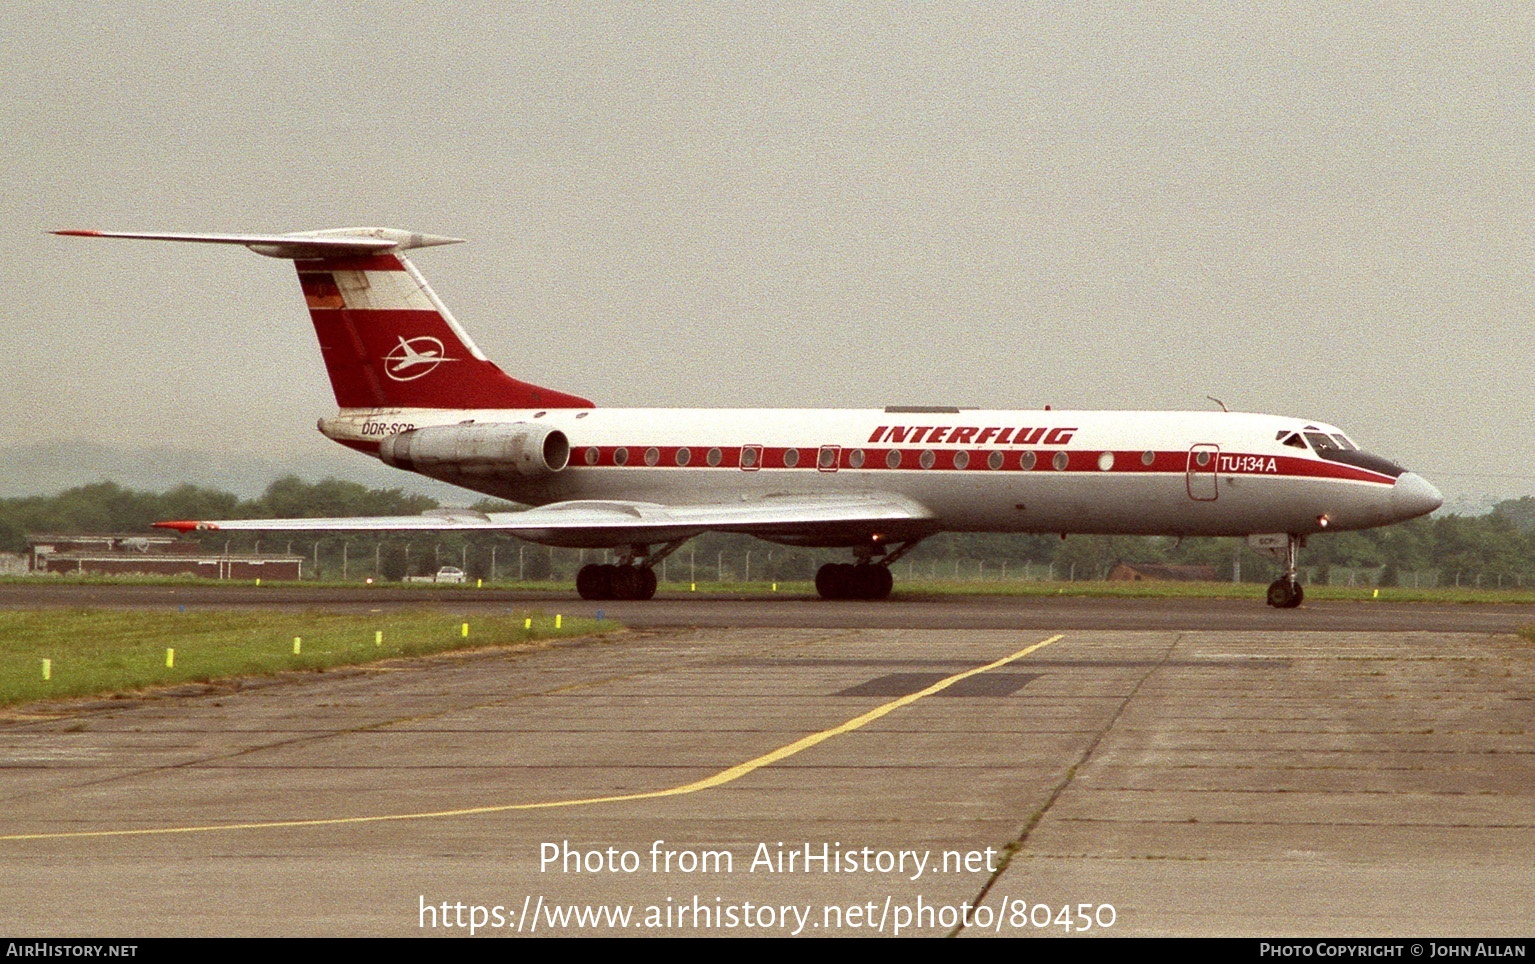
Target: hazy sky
(1316,209)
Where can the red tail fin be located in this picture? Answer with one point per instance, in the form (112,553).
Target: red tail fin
(388,341)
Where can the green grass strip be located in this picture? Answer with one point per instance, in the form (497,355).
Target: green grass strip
(98,652)
(905,587)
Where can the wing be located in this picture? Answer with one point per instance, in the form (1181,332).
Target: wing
(829,520)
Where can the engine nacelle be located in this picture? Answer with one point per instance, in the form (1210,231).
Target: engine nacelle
(515,448)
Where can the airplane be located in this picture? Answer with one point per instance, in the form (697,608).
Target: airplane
(415,391)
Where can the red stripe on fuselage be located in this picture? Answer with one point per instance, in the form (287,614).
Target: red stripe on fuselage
(875,460)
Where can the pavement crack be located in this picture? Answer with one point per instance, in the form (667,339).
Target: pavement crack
(1017,844)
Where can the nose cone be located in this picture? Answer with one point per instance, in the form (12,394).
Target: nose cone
(1412,496)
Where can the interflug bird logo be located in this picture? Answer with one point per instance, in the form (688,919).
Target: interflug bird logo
(415,357)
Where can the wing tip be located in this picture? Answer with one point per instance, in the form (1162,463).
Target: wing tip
(184,525)
(78,233)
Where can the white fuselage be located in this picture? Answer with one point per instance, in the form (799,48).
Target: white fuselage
(1169,473)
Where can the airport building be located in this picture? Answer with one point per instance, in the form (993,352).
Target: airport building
(119,554)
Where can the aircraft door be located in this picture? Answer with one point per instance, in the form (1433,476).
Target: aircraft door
(1203,486)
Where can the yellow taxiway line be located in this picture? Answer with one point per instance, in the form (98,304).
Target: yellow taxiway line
(707,783)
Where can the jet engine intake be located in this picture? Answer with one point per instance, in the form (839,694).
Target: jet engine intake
(516,448)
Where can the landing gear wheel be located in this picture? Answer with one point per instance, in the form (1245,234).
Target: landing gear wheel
(616,582)
(863,581)
(595,582)
(884,582)
(647,584)
(1285,594)
(831,581)
(626,582)
(871,582)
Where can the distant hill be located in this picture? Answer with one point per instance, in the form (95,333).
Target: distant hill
(51,467)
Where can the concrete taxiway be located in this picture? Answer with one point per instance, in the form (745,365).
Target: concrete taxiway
(1148,781)
(908,610)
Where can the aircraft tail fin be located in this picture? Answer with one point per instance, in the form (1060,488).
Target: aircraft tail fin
(386,338)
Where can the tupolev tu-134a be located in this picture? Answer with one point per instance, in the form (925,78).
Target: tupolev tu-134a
(416,392)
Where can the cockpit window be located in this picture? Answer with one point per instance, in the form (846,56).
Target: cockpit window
(1294,441)
(1336,448)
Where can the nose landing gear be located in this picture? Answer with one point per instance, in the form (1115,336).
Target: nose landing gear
(1286,592)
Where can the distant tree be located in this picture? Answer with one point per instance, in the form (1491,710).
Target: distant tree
(1520,512)
(292,497)
(391,561)
(12,538)
(535,562)
(1085,557)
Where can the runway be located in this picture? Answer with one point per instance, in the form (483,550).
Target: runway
(907,610)
(1257,781)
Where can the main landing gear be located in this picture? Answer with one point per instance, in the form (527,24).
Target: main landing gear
(1286,592)
(634,577)
(616,582)
(866,580)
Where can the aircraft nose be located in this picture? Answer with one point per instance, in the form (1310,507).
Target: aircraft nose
(1413,495)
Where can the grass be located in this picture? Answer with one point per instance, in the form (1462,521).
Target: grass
(904,587)
(95,652)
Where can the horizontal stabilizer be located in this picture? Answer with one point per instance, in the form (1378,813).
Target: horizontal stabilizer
(299,246)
